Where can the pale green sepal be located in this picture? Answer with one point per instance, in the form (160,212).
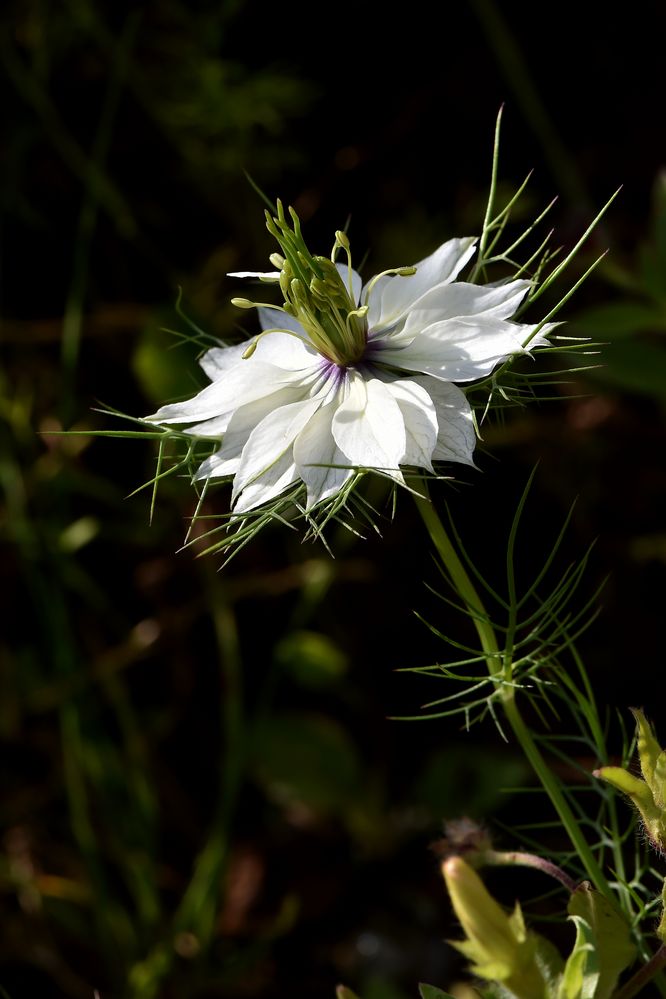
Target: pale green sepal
(550,964)
(495,971)
(581,972)
(633,787)
(612,938)
(499,946)
(490,970)
(517,923)
(649,749)
(648,795)
(659,781)
(342,992)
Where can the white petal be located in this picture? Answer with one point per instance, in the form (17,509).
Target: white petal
(420,418)
(314,448)
(270,439)
(457,350)
(356,281)
(246,381)
(214,427)
(244,420)
(456,436)
(273,482)
(461,299)
(219,359)
(368,426)
(216,467)
(286,351)
(264,275)
(276,319)
(398,294)
(530,340)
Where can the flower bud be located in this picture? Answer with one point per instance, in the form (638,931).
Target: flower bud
(649,793)
(500,946)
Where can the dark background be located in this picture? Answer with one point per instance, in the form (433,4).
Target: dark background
(160,717)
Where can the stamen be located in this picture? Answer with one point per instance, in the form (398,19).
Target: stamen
(252,346)
(398,271)
(342,238)
(245,303)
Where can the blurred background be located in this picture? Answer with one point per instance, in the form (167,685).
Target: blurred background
(203,791)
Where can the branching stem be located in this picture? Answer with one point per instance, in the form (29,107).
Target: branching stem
(495,662)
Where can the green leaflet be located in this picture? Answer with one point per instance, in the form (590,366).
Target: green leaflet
(581,973)
(609,937)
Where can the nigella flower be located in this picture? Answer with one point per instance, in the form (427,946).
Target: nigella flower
(346,377)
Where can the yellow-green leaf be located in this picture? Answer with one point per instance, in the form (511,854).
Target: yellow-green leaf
(614,948)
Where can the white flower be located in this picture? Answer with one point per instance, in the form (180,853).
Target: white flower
(348,377)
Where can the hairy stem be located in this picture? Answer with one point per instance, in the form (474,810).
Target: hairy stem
(643,975)
(512,858)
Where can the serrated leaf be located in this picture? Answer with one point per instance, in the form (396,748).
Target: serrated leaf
(581,972)
(432,992)
(614,947)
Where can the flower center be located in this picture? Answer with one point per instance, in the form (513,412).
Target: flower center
(315,293)
(319,293)
(326,311)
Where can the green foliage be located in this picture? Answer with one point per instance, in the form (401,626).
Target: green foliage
(308,761)
(603,947)
(472,782)
(581,974)
(311,658)
(632,329)
(163,370)
(431,992)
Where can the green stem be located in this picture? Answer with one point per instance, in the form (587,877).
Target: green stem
(494,659)
(461,581)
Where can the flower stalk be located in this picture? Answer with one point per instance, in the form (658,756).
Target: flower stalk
(499,668)
(519,858)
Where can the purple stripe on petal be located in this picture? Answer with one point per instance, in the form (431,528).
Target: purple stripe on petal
(333,375)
